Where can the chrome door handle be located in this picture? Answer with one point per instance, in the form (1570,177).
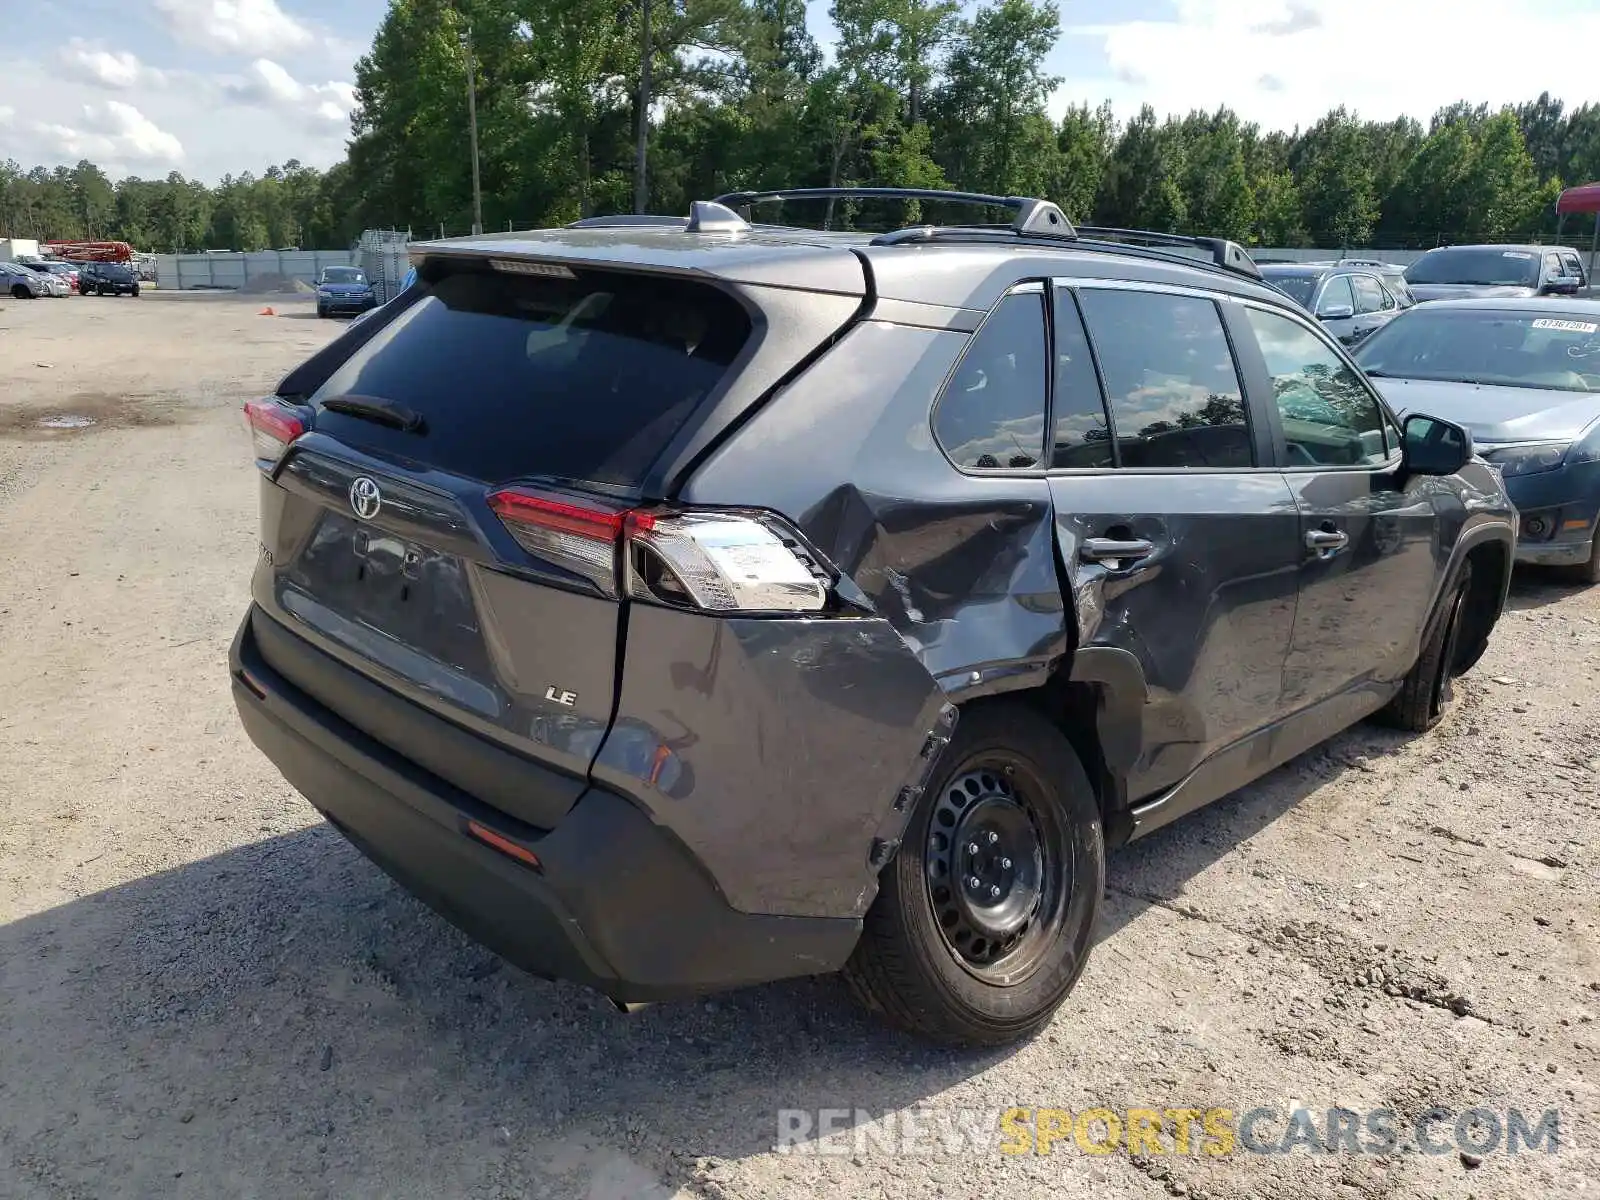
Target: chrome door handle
(1326,541)
(1102,549)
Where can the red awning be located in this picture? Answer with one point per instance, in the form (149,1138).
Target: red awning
(1584,198)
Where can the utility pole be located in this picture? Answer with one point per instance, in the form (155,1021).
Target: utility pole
(472,121)
(641,150)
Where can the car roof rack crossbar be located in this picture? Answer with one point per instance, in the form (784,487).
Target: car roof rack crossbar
(1032,216)
(1230,256)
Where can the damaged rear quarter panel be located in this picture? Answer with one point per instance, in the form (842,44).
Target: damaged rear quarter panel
(795,736)
(775,747)
(962,566)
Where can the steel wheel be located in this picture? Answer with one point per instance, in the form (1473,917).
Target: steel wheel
(995,873)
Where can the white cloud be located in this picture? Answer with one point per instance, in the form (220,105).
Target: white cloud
(93,63)
(234,26)
(269,85)
(111,132)
(1287,62)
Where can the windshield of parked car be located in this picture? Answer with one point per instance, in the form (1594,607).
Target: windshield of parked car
(1297,285)
(344,275)
(1553,350)
(1487,265)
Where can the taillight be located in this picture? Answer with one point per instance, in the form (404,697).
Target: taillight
(272,427)
(712,561)
(580,538)
(725,562)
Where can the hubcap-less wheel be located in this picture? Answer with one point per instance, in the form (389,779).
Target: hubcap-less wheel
(1443,690)
(994,871)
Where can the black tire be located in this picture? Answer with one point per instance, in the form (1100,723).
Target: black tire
(908,968)
(1426,691)
(1586,573)
(321,312)
(21,292)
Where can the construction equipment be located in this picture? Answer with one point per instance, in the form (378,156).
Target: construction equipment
(73,251)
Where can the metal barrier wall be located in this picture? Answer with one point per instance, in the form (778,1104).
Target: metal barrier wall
(238,272)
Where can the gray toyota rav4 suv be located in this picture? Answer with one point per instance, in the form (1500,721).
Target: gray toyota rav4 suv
(683,603)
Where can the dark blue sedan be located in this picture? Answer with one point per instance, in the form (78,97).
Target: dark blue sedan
(1523,377)
(344,290)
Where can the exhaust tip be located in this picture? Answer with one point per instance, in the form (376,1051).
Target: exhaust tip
(624,1006)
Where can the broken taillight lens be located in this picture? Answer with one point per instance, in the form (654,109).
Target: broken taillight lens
(272,427)
(714,561)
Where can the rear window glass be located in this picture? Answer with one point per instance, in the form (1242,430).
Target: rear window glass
(518,375)
(1485,265)
(1297,287)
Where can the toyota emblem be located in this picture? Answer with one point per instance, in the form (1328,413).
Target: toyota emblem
(365,498)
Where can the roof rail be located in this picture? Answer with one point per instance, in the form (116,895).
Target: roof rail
(704,217)
(1230,256)
(621,220)
(1032,216)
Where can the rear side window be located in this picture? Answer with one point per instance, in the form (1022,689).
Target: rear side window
(1170,379)
(582,379)
(991,415)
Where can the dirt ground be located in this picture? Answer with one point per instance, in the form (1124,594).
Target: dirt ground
(205,992)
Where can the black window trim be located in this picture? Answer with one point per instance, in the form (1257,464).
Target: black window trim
(1022,287)
(1280,448)
(1260,445)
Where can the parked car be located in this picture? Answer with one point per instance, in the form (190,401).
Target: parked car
(344,290)
(1392,274)
(63,270)
(1351,301)
(689,606)
(1523,377)
(22,283)
(107,279)
(55,285)
(1485,272)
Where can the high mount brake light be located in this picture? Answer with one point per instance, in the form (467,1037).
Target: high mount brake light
(272,428)
(711,561)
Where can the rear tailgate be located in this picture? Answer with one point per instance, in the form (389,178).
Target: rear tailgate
(383,542)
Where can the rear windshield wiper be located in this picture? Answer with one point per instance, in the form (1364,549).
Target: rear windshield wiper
(383,412)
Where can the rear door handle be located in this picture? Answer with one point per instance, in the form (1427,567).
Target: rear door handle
(1103,549)
(1326,541)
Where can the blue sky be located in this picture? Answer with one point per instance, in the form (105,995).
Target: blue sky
(208,87)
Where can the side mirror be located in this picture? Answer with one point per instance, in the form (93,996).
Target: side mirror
(1562,285)
(1434,447)
(1336,312)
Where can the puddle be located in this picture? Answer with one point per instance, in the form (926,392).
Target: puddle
(91,411)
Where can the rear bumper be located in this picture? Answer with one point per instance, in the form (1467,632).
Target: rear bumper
(617,902)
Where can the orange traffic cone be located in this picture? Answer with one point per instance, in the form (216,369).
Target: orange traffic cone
(266,312)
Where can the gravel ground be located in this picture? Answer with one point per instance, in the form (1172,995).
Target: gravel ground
(205,992)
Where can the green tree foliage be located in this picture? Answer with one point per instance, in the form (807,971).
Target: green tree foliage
(736,94)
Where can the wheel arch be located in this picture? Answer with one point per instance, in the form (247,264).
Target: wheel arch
(1492,558)
(1095,698)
